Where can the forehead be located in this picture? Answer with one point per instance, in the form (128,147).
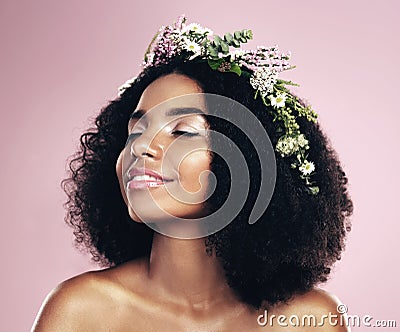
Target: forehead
(167,88)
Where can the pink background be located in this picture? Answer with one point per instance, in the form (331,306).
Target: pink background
(61,61)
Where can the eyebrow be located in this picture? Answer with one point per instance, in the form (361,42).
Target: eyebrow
(171,112)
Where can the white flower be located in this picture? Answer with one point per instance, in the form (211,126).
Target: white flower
(196,28)
(192,46)
(279,100)
(263,80)
(307,167)
(287,145)
(238,54)
(302,141)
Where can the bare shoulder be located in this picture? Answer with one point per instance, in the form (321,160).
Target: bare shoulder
(79,302)
(316,309)
(316,299)
(64,307)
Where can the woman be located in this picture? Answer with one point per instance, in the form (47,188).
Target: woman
(140,177)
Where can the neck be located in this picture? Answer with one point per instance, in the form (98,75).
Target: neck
(185,273)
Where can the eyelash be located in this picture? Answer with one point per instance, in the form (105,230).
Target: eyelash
(181,132)
(185,133)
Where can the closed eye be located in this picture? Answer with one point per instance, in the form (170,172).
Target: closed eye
(176,133)
(132,136)
(184,133)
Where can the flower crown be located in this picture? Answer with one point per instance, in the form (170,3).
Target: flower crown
(261,66)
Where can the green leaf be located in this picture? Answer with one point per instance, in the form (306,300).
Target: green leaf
(228,38)
(235,68)
(217,40)
(246,34)
(212,51)
(279,81)
(237,34)
(224,47)
(249,34)
(214,64)
(235,43)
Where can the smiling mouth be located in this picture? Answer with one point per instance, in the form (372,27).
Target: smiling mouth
(145,181)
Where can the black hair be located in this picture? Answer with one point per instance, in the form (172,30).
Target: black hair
(290,249)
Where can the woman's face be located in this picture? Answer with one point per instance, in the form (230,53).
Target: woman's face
(167,135)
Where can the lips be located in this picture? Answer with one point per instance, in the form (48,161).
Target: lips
(139,178)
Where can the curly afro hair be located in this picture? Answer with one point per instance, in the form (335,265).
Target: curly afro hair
(290,249)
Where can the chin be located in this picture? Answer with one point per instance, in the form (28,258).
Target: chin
(183,213)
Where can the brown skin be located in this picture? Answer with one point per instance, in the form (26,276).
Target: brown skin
(126,299)
(180,287)
(183,161)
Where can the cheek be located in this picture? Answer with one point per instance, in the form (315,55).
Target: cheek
(190,171)
(118,170)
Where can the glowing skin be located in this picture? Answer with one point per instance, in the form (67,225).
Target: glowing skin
(172,145)
(179,287)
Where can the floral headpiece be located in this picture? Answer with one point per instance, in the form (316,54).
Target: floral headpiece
(261,66)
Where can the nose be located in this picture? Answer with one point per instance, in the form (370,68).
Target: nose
(147,146)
